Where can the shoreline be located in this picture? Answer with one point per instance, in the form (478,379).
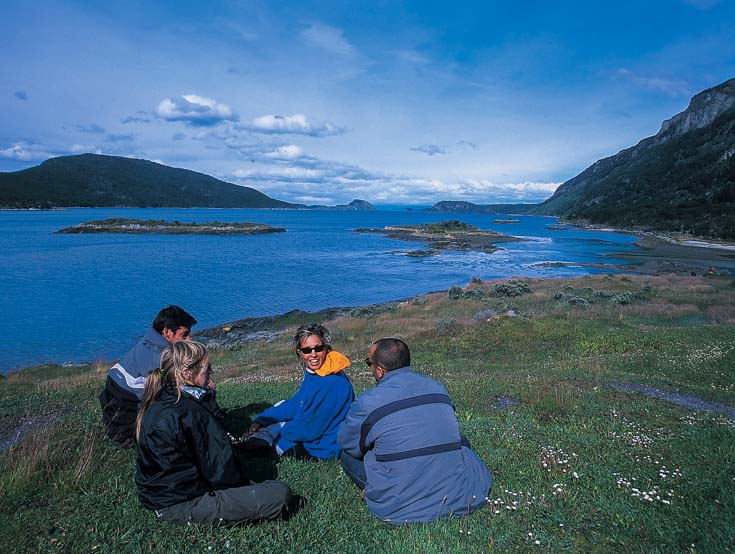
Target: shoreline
(658,255)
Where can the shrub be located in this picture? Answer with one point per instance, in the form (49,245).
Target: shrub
(475,294)
(446,325)
(514,287)
(601,294)
(455,293)
(625,297)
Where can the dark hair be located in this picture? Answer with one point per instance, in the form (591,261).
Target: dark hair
(391,354)
(312,329)
(172,317)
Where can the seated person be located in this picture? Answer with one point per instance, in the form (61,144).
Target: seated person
(305,426)
(402,446)
(125,381)
(186,470)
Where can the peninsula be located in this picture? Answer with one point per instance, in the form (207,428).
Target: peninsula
(445,235)
(161,227)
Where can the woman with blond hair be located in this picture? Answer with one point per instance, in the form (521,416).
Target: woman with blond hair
(186,470)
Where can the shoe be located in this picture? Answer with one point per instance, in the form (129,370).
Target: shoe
(254,446)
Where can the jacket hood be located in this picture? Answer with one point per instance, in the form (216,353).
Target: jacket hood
(333,363)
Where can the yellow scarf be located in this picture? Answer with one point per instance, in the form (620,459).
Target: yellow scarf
(333,363)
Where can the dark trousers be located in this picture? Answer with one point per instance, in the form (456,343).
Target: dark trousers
(119,410)
(354,468)
(266,500)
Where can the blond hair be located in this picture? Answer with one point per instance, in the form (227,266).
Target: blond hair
(175,360)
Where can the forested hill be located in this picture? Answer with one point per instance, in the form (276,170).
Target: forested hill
(681,179)
(92,180)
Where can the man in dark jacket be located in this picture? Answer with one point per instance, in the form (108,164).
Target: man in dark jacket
(402,446)
(126,379)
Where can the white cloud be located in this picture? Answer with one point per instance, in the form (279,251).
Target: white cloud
(296,124)
(327,38)
(309,177)
(84,149)
(195,110)
(26,151)
(288,152)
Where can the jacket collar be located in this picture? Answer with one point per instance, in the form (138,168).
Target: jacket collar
(392,373)
(155,338)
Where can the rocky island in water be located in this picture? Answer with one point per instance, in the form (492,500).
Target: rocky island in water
(162,227)
(444,235)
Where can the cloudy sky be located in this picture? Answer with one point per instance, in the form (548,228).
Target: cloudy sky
(323,102)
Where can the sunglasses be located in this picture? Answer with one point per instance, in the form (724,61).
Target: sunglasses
(309,349)
(369,363)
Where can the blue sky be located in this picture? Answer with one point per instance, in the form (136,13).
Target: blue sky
(323,102)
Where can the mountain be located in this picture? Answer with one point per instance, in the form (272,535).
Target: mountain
(681,179)
(355,205)
(92,180)
(456,206)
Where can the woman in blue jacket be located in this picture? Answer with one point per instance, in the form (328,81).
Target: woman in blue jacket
(305,426)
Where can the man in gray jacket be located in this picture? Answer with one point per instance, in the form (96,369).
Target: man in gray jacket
(402,446)
(126,379)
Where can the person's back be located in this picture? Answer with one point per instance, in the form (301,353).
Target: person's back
(418,469)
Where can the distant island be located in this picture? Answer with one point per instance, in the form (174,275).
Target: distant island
(506,221)
(445,235)
(161,227)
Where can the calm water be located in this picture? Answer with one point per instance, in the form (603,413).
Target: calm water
(81,297)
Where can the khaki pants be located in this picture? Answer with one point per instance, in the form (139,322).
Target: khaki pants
(266,500)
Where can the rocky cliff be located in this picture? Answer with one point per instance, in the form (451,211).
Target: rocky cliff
(681,179)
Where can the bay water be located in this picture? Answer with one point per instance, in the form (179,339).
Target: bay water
(81,297)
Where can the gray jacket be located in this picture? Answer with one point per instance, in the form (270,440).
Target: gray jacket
(130,373)
(418,467)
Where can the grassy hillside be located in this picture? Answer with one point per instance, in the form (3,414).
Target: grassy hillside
(578,466)
(91,180)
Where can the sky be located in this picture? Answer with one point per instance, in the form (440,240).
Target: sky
(322,102)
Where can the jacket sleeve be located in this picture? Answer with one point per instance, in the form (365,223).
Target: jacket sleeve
(349,432)
(320,407)
(215,459)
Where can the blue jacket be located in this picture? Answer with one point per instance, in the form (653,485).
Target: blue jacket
(130,373)
(418,466)
(313,415)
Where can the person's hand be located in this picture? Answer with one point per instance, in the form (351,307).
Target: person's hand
(212,385)
(254,427)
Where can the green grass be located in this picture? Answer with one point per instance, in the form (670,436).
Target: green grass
(573,462)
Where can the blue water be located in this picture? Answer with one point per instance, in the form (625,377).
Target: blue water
(85,297)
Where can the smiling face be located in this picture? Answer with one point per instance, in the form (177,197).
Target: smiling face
(313,359)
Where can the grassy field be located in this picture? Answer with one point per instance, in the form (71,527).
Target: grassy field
(578,466)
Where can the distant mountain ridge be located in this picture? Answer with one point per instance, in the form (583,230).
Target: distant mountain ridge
(460,206)
(93,180)
(682,179)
